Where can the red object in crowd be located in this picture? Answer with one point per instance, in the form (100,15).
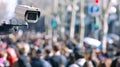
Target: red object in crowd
(12,56)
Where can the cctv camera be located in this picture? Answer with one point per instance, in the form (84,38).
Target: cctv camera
(32,16)
(27,13)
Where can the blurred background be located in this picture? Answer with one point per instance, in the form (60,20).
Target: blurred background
(62,12)
(95,18)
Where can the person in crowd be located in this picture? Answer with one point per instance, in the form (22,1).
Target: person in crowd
(23,51)
(79,54)
(39,61)
(47,54)
(24,60)
(71,59)
(89,61)
(116,61)
(12,56)
(3,59)
(32,53)
(57,60)
(65,50)
(104,60)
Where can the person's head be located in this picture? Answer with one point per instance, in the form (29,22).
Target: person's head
(25,49)
(65,51)
(12,38)
(19,43)
(39,53)
(47,51)
(87,55)
(55,48)
(79,52)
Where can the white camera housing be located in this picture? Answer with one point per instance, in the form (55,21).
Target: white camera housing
(27,13)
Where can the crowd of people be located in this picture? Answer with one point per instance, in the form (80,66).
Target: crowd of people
(33,49)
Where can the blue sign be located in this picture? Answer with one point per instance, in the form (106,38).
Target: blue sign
(94,10)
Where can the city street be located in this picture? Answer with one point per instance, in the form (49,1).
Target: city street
(59,33)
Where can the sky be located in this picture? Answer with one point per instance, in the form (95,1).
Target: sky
(7,9)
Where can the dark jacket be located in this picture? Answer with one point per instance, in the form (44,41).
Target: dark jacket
(58,61)
(23,61)
(40,63)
